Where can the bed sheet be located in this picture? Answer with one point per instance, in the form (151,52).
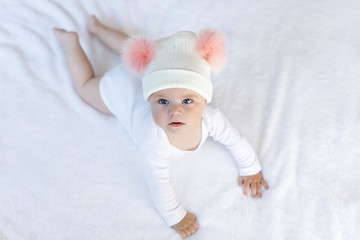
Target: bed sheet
(291,86)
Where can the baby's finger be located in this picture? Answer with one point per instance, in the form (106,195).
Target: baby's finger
(195,225)
(191,229)
(259,192)
(187,232)
(246,187)
(241,181)
(263,182)
(182,233)
(253,190)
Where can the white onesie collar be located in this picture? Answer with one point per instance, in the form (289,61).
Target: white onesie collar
(176,151)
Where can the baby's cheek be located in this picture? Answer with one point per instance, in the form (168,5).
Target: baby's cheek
(159,122)
(158,118)
(197,112)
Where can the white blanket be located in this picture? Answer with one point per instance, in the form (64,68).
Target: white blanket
(291,86)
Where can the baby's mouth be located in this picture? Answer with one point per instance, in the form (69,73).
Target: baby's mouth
(176,124)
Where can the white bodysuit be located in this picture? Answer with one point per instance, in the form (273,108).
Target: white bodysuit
(124,99)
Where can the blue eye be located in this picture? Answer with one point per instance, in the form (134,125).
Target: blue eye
(163,101)
(187,101)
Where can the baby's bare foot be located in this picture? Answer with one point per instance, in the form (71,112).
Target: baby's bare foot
(66,38)
(94,24)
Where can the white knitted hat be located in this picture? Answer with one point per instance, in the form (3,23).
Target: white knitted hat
(183,60)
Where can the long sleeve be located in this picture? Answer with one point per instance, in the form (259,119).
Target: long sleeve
(221,130)
(124,99)
(163,195)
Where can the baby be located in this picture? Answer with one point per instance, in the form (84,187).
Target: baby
(167,114)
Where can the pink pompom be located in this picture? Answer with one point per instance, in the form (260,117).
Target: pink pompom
(211,44)
(138,53)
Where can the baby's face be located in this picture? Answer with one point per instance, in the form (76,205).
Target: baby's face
(177,109)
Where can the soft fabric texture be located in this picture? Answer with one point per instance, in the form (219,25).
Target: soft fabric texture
(291,86)
(135,115)
(211,45)
(178,63)
(138,53)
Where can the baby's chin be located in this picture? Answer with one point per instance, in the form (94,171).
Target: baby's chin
(176,127)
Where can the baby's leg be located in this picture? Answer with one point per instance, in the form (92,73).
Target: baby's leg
(111,37)
(81,71)
(77,62)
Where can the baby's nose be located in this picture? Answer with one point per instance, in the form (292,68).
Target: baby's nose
(175,109)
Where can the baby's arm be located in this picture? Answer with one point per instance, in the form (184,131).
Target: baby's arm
(163,195)
(249,167)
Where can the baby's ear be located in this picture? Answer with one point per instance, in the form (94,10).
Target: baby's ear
(138,52)
(211,45)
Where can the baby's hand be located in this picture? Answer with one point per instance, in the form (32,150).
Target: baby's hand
(187,226)
(254,182)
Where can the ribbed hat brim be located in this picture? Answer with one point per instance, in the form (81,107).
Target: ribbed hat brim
(177,78)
